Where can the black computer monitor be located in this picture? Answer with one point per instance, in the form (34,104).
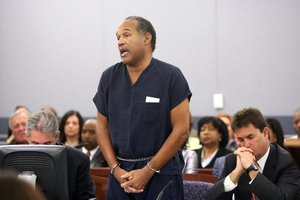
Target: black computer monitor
(47,162)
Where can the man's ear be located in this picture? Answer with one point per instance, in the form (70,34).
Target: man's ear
(148,38)
(266,132)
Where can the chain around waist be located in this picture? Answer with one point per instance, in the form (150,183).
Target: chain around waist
(134,159)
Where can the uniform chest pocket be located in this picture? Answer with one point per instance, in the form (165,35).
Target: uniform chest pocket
(151,112)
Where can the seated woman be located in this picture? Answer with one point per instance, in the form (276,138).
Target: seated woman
(190,157)
(213,134)
(275,131)
(70,128)
(190,160)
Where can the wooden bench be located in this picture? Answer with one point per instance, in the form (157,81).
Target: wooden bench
(205,171)
(293,146)
(100,178)
(200,177)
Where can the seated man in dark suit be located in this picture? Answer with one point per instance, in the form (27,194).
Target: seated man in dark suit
(89,144)
(42,128)
(257,169)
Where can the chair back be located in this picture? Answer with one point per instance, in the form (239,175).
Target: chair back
(195,189)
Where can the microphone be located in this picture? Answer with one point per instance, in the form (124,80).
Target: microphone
(160,195)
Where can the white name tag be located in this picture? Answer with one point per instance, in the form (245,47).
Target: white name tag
(152,99)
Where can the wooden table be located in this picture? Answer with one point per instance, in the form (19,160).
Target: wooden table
(293,146)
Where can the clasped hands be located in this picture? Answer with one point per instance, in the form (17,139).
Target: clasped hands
(244,159)
(133,181)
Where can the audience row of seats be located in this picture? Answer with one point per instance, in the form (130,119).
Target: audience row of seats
(195,185)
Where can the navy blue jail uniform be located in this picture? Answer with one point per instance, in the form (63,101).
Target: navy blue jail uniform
(139,116)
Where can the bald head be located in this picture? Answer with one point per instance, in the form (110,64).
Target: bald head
(88,135)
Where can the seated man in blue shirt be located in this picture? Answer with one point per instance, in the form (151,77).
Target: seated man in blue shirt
(42,128)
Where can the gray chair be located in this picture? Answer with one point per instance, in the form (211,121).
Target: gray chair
(196,189)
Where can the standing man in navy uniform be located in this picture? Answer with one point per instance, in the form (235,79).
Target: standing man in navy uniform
(143,118)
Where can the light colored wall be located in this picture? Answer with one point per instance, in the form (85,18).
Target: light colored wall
(53,52)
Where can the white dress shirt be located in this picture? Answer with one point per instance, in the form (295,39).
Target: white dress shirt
(205,162)
(92,152)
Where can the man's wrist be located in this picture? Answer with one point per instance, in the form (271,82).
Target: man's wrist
(252,167)
(228,184)
(113,167)
(152,168)
(235,176)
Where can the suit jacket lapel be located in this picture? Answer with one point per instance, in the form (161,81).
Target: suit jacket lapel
(269,169)
(95,158)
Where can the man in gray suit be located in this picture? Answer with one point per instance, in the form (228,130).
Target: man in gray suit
(257,169)
(89,144)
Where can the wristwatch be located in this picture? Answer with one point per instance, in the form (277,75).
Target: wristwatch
(253,166)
